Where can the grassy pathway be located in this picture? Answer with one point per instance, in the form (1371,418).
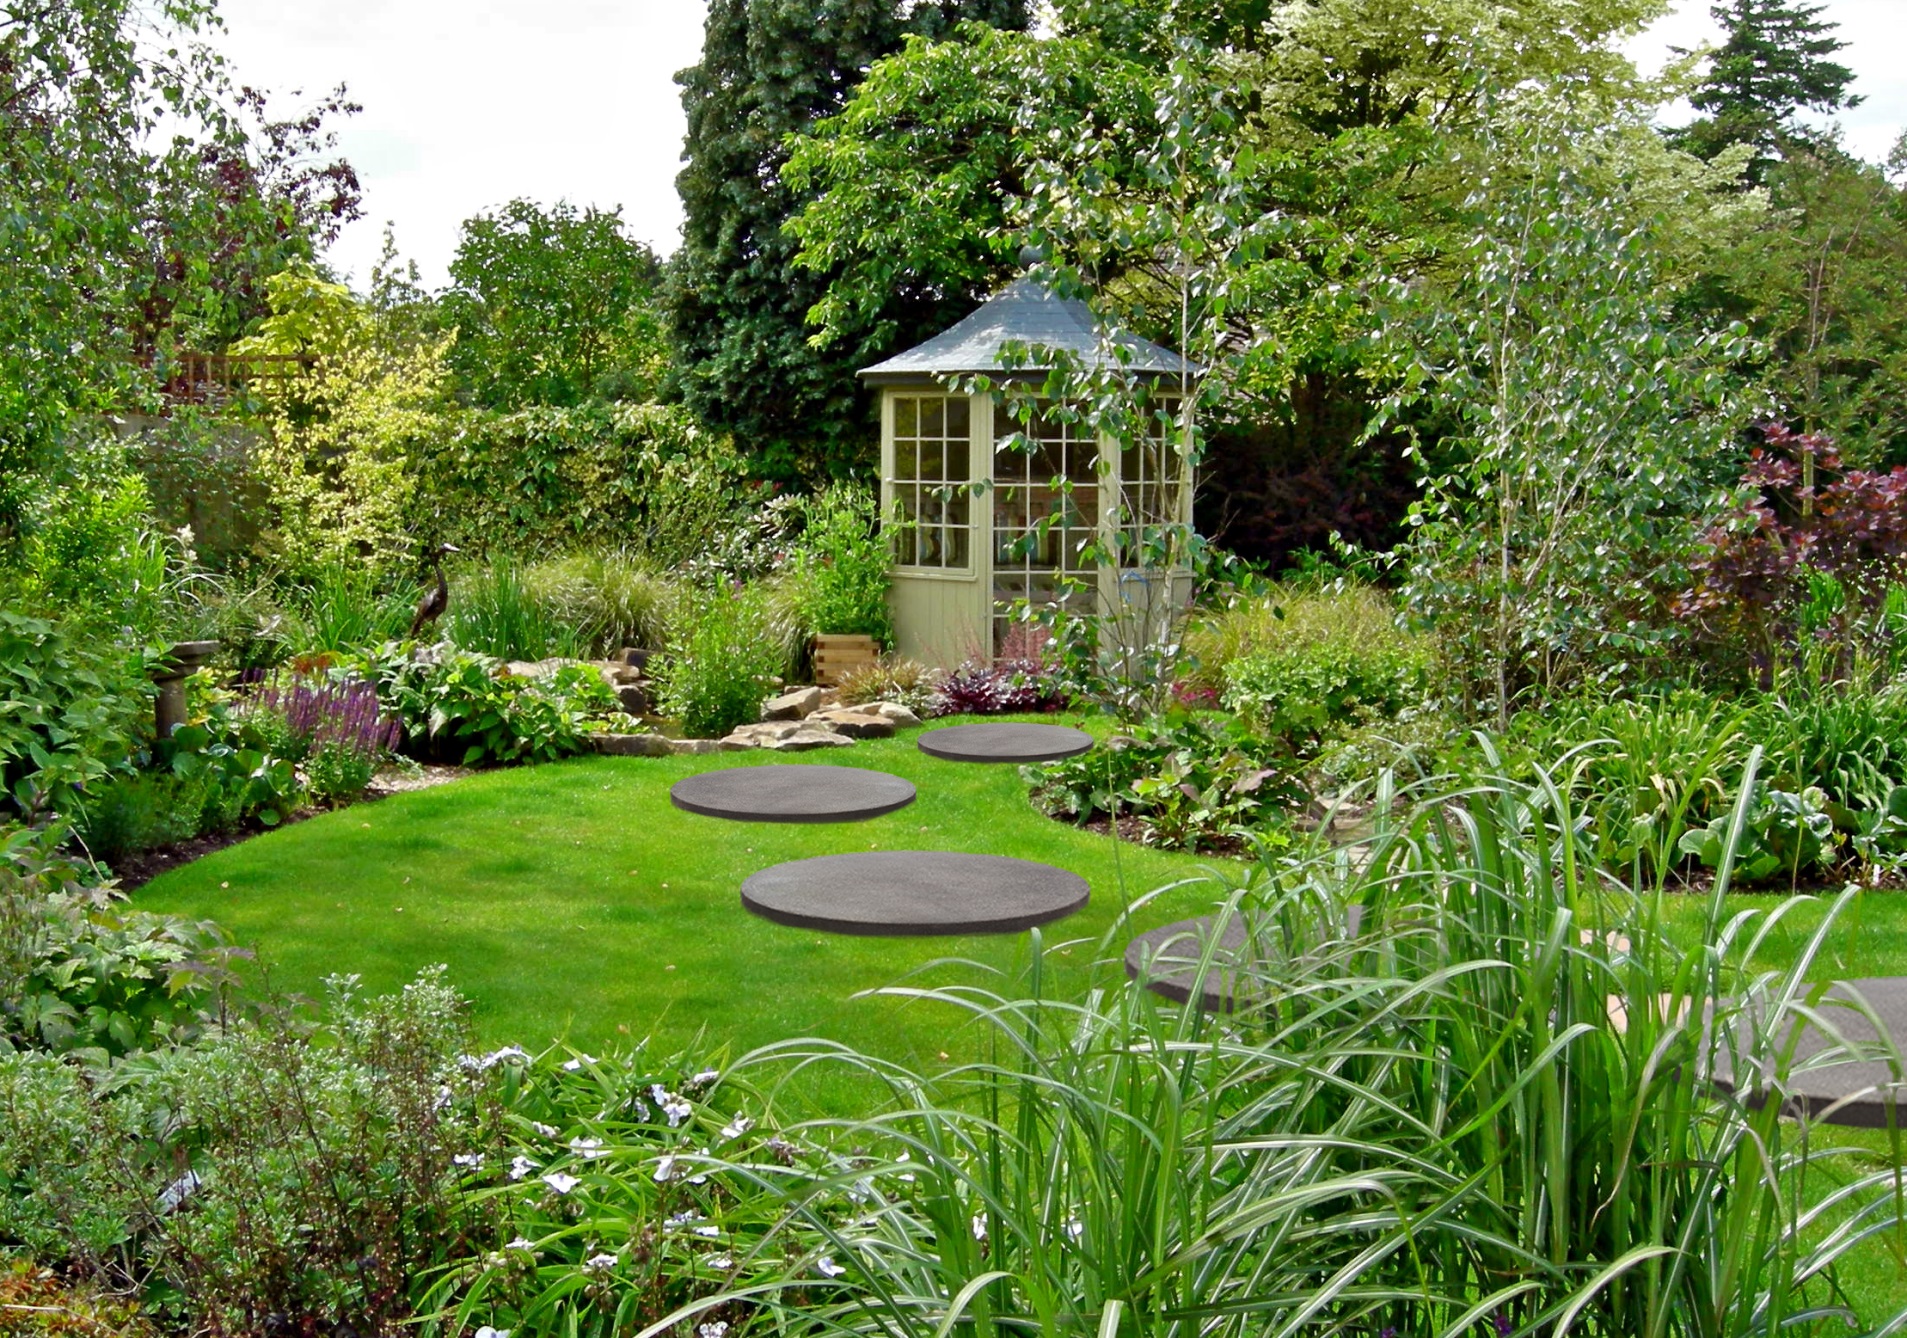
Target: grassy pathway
(573,900)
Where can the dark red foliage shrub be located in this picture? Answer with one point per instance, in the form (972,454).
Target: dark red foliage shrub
(1803,516)
(997,689)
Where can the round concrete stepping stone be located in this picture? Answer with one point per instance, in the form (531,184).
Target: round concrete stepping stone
(1166,961)
(914,892)
(792,794)
(1863,1093)
(1004,742)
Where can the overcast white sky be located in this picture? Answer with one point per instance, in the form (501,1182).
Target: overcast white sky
(470,104)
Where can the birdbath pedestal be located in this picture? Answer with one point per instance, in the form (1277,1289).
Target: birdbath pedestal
(170,673)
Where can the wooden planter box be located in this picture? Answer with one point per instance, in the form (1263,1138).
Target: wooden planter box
(835,657)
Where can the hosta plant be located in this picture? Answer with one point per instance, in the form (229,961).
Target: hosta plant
(1190,780)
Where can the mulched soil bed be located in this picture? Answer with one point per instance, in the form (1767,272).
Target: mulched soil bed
(1133,830)
(135,871)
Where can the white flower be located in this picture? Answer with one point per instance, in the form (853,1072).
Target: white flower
(487,1332)
(711,1231)
(600,1263)
(736,1127)
(561,1183)
(659,1092)
(521,1243)
(979,1226)
(675,1220)
(588,1148)
(705,1077)
(700,1177)
(496,1057)
(715,1329)
(520,1166)
(575,1063)
(665,1169)
(470,1159)
(721,1261)
(1073,1227)
(827,1268)
(677,1110)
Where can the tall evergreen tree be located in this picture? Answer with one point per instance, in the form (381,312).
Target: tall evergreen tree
(738,301)
(1774,65)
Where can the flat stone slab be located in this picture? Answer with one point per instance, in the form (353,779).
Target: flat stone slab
(1864,1093)
(1167,961)
(792,794)
(1004,742)
(914,893)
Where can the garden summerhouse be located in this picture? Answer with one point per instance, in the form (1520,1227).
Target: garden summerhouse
(986,510)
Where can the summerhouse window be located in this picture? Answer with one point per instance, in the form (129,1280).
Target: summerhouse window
(1045,515)
(932,468)
(1151,485)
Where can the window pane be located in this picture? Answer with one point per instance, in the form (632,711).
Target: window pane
(959,417)
(932,460)
(906,416)
(1009,463)
(1048,460)
(906,542)
(930,416)
(1082,460)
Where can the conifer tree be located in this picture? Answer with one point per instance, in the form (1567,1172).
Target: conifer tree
(738,302)
(1774,64)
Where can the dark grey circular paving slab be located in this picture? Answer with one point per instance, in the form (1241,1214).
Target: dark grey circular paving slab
(792,794)
(1168,960)
(914,892)
(1004,742)
(1865,1093)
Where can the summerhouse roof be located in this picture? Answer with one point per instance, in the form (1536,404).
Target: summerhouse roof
(1024,312)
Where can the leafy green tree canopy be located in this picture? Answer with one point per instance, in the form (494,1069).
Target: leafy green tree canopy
(1774,65)
(1823,283)
(553,306)
(142,201)
(738,301)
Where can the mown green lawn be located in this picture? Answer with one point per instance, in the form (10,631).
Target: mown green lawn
(574,901)
(1868,939)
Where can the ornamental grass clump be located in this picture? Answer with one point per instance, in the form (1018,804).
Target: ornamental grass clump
(495,609)
(1496,1106)
(725,658)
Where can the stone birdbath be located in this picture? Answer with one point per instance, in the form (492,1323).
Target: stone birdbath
(170,672)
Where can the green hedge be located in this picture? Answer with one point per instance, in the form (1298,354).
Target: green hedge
(548,478)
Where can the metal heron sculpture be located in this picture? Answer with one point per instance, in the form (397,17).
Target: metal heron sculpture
(431,607)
